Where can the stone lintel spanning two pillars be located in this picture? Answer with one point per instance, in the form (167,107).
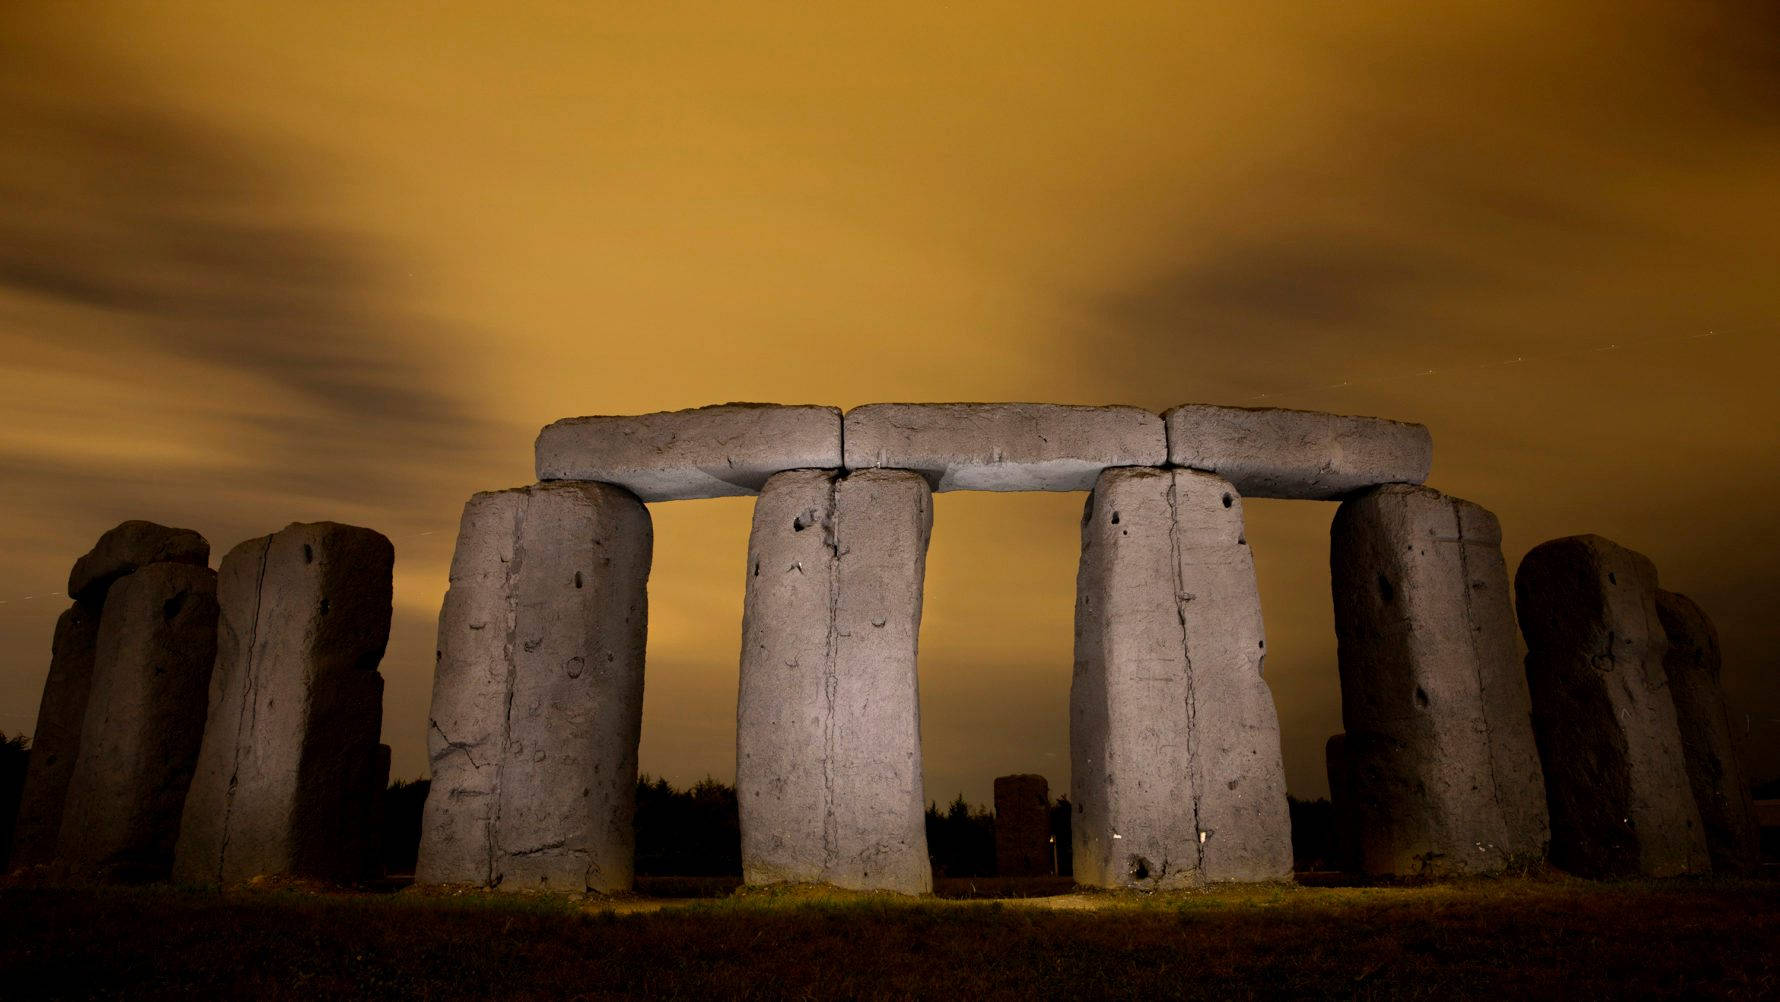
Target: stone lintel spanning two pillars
(828,736)
(1441,773)
(538,692)
(1174,741)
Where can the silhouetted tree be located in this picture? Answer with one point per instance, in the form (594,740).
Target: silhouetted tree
(402,806)
(15,755)
(1060,831)
(961,842)
(687,833)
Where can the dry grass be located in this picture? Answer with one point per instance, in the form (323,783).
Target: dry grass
(1552,938)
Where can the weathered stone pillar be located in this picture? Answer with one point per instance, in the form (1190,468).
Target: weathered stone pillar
(1615,774)
(1176,774)
(538,692)
(1714,767)
(1445,771)
(143,724)
(828,731)
(1022,826)
(295,710)
(55,741)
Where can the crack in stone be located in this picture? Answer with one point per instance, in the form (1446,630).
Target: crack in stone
(830,683)
(248,716)
(1195,767)
(510,596)
(463,746)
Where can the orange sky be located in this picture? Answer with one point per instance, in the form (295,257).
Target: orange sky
(342,260)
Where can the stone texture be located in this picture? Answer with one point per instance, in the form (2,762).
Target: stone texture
(707,452)
(125,548)
(55,742)
(1022,826)
(1003,447)
(1615,774)
(828,735)
(1446,775)
(144,721)
(1174,742)
(295,710)
(538,693)
(1714,766)
(1276,453)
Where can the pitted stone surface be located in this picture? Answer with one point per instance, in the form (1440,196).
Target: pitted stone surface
(708,452)
(295,710)
(55,742)
(1003,447)
(537,700)
(1446,775)
(1615,773)
(129,546)
(828,737)
(1174,741)
(1277,453)
(1022,826)
(1714,768)
(144,721)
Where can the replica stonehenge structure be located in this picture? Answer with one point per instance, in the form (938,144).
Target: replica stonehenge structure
(218,726)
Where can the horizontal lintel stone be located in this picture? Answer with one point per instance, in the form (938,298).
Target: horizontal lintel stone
(1311,455)
(1003,447)
(720,451)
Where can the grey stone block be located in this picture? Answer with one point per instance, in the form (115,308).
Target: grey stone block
(707,452)
(1446,775)
(1022,826)
(1174,742)
(55,742)
(538,695)
(1003,447)
(1615,773)
(828,737)
(1276,453)
(143,725)
(125,548)
(1714,765)
(295,709)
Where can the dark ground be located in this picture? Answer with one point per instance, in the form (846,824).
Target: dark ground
(1553,938)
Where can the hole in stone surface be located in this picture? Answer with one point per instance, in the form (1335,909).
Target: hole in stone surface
(1228,501)
(171,607)
(1612,578)
(756,568)
(1385,590)
(1263,645)
(1421,696)
(577,579)
(308,553)
(324,606)
(1115,518)
(1140,868)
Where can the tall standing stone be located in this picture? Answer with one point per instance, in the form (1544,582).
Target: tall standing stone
(1022,826)
(1174,742)
(143,724)
(1615,773)
(828,735)
(538,692)
(1445,771)
(1714,768)
(295,709)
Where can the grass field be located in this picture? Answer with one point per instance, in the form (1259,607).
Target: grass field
(1553,938)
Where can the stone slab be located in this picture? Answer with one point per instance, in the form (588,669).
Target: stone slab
(294,711)
(1022,826)
(1714,764)
(828,737)
(1446,778)
(144,721)
(1615,773)
(128,546)
(707,452)
(1278,453)
(55,741)
(1003,447)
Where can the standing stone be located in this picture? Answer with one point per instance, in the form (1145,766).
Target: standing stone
(828,735)
(143,724)
(55,743)
(1022,826)
(1446,776)
(1615,773)
(1714,768)
(1176,772)
(295,709)
(538,694)
(129,546)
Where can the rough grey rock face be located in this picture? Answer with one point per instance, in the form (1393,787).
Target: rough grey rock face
(1446,776)
(1615,772)
(125,548)
(295,709)
(1174,741)
(707,452)
(1714,767)
(538,695)
(1003,447)
(1276,453)
(1022,826)
(55,742)
(144,721)
(828,736)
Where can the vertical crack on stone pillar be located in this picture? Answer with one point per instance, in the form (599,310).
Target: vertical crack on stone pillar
(1191,736)
(510,664)
(245,715)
